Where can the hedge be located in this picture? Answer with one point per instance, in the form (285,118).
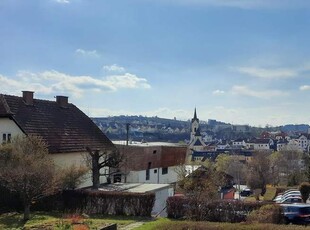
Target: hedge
(109,203)
(218,211)
(85,201)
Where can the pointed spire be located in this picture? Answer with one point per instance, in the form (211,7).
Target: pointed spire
(195,114)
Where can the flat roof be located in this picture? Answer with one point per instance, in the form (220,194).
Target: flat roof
(134,187)
(145,144)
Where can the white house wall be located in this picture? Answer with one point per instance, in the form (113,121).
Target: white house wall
(64,160)
(161,197)
(8,126)
(155,178)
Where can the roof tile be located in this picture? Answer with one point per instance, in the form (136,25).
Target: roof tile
(64,129)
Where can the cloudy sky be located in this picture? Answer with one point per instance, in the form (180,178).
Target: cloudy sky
(237,61)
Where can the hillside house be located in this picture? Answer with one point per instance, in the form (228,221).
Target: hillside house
(239,143)
(223,145)
(65,128)
(281,144)
(260,144)
(302,141)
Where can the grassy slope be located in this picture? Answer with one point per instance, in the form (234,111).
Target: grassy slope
(14,220)
(40,220)
(166,224)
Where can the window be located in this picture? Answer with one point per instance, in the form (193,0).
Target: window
(155,170)
(6,138)
(154,151)
(164,171)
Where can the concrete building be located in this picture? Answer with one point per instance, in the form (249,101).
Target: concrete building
(150,162)
(162,192)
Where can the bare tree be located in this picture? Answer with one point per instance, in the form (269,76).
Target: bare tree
(26,168)
(275,167)
(259,172)
(287,166)
(291,165)
(72,176)
(231,165)
(201,188)
(102,159)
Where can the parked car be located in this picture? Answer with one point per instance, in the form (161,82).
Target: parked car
(246,192)
(296,213)
(290,200)
(286,195)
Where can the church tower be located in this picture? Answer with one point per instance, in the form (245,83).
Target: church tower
(196,142)
(194,126)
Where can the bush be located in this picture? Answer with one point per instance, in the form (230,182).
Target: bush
(176,207)
(9,201)
(108,203)
(218,211)
(304,190)
(270,213)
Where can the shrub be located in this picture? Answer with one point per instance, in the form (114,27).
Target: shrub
(109,203)
(304,190)
(217,211)
(270,213)
(9,201)
(176,206)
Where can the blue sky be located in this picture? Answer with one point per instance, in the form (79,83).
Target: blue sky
(238,61)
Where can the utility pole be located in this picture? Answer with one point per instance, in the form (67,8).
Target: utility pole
(127,133)
(127,139)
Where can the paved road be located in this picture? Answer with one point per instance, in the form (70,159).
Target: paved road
(132,226)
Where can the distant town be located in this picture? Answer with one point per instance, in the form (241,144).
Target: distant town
(154,129)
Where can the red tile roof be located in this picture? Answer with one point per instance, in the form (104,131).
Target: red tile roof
(64,129)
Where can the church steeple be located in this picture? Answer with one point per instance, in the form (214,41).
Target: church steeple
(195,116)
(196,141)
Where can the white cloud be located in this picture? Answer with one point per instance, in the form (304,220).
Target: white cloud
(127,81)
(218,92)
(263,94)
(54,82)
(63,1)
(114,68)
(87,53)
(267,73)
(304,87)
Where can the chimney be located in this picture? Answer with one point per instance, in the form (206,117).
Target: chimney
(62,101)
(28,97)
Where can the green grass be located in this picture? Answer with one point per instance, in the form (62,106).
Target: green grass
(58,221)
(269,195)
(52,220)
(167,224)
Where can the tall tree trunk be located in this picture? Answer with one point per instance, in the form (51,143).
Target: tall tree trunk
(96,170)
(26,212)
